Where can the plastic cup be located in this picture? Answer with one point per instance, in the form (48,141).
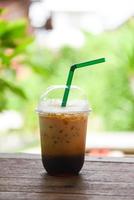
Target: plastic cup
(63,130)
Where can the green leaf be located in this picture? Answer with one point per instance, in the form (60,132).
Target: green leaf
(13,88)
(5,60)
(13,34)
(3,27)
(1,10)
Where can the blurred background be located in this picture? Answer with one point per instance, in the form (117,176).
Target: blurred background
(39,41)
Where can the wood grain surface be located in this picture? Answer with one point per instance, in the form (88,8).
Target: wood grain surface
(22,176)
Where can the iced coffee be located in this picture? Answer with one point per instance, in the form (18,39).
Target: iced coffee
(63,135)
(63,142)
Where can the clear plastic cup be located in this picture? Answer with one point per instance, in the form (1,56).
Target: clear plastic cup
(63,130)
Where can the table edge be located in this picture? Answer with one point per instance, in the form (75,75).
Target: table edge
(87,158)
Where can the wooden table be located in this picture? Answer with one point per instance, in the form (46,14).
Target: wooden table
(22,177)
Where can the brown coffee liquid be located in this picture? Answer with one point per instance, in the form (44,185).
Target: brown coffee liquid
(63,142)
(63,165)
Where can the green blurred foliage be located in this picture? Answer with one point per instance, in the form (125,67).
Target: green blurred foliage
(13,42)
(108,86)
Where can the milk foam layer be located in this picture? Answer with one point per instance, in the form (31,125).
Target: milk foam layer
(54,106)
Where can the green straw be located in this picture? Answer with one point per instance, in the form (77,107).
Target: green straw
(71,73)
